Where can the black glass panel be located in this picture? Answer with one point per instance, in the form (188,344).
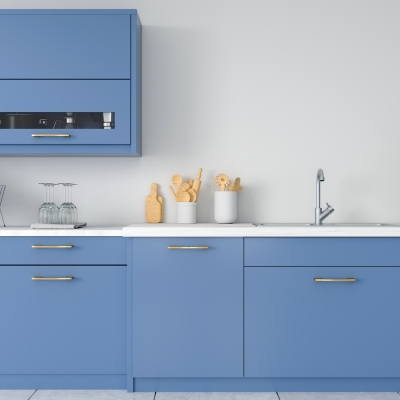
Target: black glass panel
(57,120)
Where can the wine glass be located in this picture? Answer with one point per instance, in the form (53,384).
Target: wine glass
(48,211)
(68,213)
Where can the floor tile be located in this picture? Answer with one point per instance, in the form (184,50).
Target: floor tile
(16,394)
(339,396)
(89,395)
(217,396)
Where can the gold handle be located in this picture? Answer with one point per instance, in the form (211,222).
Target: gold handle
(38,246)
(335,279)
(51,135)
(40,278)
(188,247)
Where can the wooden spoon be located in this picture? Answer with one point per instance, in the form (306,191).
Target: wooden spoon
(190,183)
(177,181)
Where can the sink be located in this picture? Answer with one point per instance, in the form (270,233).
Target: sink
(355,224)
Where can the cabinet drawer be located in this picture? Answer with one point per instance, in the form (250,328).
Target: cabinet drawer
(84,250)
(65,46)
(187,307)
(367,252)
(61,96)
(296,327)
(63,327)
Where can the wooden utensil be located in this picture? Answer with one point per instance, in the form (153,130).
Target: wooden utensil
(193,195)
(237,184)
(177,181)
(222,181)
(185,187)
(172,191)
(235,187)
(197,182)
(183,197)
(154,206)
(190,183)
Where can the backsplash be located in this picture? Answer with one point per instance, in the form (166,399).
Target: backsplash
(268,91)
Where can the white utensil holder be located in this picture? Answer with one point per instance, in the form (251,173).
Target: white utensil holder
(225,207)
(186,212)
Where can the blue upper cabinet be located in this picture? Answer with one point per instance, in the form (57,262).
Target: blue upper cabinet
(70,82)
(65,46)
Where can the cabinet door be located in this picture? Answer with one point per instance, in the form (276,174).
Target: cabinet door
(61,96)
(296,327)
(63,327)
(65,46)
(187,307)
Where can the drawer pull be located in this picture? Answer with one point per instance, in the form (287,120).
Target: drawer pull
(40,278)
(335,279)
(188,247)
(51,135)
(38,246)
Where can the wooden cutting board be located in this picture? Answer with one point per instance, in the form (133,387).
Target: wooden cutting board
(154,206)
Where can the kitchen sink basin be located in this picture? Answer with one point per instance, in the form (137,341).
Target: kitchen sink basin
(328,225)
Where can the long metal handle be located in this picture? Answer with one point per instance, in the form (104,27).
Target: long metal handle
(40,278)
(188,247)
(335,279)
(51,135)
(38,246)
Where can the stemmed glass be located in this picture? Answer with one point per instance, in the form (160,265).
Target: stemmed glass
(68,213)
(48,211)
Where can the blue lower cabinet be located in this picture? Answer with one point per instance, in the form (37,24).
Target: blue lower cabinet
(62,327)
(187,307)
(296,327)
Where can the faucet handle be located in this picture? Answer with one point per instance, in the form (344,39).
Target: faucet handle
(330,207)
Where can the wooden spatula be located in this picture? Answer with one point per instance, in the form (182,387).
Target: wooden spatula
(183,197)
(193,195)
(172,191)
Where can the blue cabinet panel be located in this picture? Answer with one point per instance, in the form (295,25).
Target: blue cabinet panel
(187,308)
(65,46)
(85,250)
(362,252)
(68,95)
(63,327)
(298,328)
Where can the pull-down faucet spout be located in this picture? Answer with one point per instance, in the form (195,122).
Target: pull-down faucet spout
(319,214)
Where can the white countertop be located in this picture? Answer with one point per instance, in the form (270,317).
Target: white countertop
(210,230)
(87,231)
(249,230)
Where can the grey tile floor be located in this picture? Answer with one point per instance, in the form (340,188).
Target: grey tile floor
(122,395)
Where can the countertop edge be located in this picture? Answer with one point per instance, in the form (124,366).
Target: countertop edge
(248,230)
(206,230)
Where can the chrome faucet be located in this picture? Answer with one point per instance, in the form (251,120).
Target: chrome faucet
(319,214)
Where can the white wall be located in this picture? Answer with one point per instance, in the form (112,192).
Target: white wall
(268,90)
